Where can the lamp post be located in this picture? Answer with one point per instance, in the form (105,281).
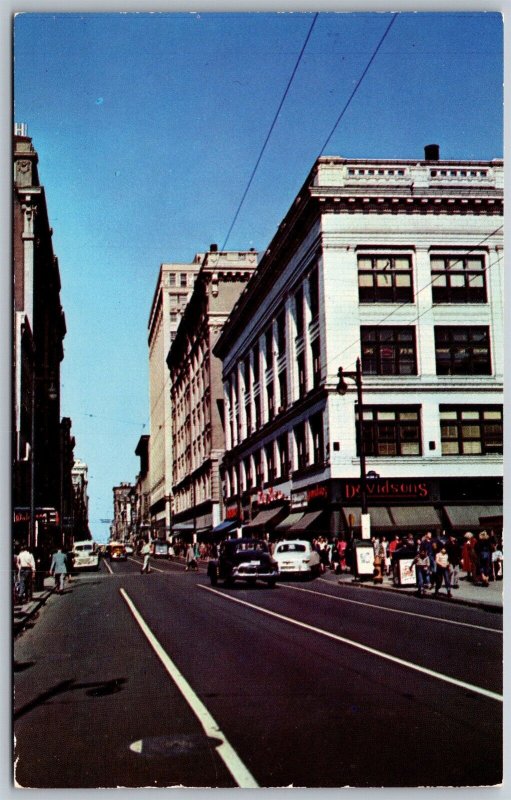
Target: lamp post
(342,388)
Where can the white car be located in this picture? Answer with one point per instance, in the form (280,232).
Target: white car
(85,555)
(297,557)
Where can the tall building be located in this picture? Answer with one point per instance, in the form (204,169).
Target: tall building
(121,527)
(398,263)
(39,329)
(197,393)
(174,286)
(80,480)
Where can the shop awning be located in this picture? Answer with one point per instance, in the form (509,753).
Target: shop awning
(415,518)
(467,517)
(267,518)
(226,526)
(182,526)
(307,521)
(380,517)
(289,521)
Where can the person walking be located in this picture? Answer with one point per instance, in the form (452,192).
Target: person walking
(58,568)
(483,549)
(422,565)
(454,553)
(442,573)
(26,574)
(191,561)
(146,553)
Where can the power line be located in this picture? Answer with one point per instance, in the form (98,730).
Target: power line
(270,130)
(355,90)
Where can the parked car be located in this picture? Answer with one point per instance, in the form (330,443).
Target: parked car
(129,549)
(85,555)
(243,559)
(117,551)
(297,557)
(160,548)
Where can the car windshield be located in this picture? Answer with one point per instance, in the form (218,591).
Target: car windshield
(83,548)
(242,547)
(291,548)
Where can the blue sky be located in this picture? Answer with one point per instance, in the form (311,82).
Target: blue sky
(148,127)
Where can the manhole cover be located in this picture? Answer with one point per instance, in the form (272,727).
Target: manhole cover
(173,746)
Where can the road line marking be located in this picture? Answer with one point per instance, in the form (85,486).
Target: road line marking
(151,568)
(109,568)
(359,646)
(392,610)
(232,761)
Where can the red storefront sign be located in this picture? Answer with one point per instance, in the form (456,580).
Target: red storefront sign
(394,488)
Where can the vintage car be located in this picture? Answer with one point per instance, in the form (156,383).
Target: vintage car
(117,551)
(297,557)
(160,548)
(244,560)
(85,555)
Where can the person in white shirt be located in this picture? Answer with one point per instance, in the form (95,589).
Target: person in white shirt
(442,571)
(26,573)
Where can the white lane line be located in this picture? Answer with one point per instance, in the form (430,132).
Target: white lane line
(152,569)
(358,646)
(232,761)
(390,610)
(109,568)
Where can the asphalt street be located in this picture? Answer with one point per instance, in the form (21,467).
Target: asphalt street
(162,680)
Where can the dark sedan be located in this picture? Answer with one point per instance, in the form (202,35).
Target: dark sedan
(243,559)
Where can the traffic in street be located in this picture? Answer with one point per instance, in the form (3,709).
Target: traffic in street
(164,679)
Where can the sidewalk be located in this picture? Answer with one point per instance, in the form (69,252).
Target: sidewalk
(25,612)
(487,597)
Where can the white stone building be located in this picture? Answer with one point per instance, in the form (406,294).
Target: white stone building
(174,287)
(399,263)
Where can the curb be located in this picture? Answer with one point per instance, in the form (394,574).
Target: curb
(485,606)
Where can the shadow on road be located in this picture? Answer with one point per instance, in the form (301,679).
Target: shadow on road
(95,689)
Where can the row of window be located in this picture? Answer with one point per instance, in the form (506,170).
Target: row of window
(459,350)
(464,430)
(387,432)
(387,278)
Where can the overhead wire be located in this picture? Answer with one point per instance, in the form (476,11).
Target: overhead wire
(270,131)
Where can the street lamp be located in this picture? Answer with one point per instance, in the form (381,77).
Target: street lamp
(342,388)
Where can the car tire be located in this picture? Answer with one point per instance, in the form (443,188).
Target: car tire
(271,583)
(213,577)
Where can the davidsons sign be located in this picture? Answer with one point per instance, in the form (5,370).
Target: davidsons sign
(388,488)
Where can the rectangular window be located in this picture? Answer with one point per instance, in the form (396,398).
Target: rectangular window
(316,426)
(462,350)
(281,333)
(390,431)
(270,462)
(256,365)
(302,457)
(458,279)
(299,312)
(302,389)
(283,456)
(271,400)
(471,430)
(385,279)
(171,279)
(314,293)
(183,279)
(316,362)
(283,389)
(388,350)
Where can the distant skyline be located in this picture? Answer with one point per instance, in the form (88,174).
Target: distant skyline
(148,127)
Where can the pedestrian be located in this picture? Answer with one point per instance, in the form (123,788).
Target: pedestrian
(497,560)
(466,557)
(484,558)
(191,561)
(427,544)
(442,571)
(454,553)
(58,568)
(146,553)
(422,567)
(26,573)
